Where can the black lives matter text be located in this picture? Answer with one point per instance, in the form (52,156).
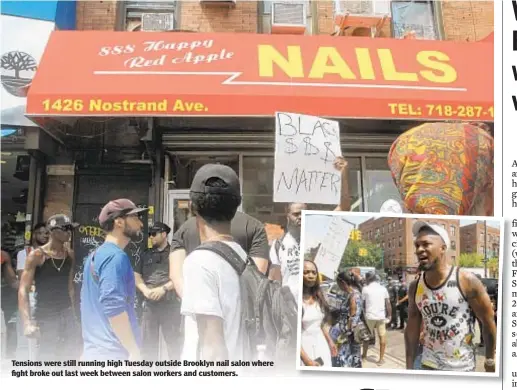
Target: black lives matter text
(306,148)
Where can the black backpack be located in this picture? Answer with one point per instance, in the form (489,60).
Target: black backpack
(269,312)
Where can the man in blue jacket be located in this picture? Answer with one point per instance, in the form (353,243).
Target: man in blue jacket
(109,322)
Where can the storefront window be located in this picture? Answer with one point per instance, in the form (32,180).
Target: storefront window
(257,180)
(185,167)
(379,186)
(15,183)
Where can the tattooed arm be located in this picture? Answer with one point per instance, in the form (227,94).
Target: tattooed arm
(34,259)
(479,301)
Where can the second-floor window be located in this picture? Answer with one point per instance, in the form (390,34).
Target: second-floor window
(133,11)
(413,17)
(288,13)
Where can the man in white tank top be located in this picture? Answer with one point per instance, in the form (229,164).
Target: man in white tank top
(445,300)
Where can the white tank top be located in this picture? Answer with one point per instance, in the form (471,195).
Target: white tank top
(448,325)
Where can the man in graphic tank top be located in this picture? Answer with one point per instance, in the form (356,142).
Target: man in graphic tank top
(51,267)
(445,300)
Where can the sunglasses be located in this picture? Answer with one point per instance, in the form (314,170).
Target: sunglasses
(67,228)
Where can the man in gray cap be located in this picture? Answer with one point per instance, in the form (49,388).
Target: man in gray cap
(51,268)
(445,300)
(109,322)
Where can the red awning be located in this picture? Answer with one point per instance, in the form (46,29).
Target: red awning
(102,73)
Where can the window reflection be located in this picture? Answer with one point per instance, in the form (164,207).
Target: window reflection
(379,186)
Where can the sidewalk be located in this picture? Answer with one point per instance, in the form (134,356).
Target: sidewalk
(390,362)
(394,356)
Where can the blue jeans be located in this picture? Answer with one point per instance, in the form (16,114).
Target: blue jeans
(417,365)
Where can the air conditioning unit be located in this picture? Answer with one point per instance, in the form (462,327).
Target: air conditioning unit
(157,22)
(288,17)
(218,2)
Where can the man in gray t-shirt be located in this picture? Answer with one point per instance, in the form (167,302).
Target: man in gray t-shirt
(247,231)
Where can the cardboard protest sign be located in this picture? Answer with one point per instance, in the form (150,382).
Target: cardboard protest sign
(333,246)
(305,150)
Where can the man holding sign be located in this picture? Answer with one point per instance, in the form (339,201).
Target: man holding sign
(284,254)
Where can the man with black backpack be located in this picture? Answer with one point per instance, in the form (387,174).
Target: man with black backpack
(211,290)
(232,310)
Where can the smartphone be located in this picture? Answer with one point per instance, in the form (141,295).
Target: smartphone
(319,361)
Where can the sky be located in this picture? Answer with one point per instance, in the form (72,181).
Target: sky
(316,226)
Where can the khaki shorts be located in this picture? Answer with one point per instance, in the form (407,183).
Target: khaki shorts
(378,325)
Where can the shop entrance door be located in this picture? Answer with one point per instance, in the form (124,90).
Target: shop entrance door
(178,208)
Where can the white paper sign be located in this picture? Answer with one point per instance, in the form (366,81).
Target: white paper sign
(305,150)
(333,246)
(23,43)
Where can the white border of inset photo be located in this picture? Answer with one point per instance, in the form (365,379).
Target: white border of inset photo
(353,215)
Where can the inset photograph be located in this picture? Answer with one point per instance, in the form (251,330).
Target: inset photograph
(400,293)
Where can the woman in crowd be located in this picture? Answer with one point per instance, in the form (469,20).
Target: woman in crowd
(317,346)
(349,351)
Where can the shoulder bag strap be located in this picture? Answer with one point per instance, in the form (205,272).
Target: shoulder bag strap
(227,253)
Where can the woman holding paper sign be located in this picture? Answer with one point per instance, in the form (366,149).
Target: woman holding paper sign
(317,345)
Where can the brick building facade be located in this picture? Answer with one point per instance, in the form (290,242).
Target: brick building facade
(474,238)
(454,20)
(395,237)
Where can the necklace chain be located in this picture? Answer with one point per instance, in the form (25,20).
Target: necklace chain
(61,266)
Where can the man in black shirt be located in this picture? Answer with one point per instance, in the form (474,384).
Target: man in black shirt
(247,231)
(393,293)
(403,304)
(161,305)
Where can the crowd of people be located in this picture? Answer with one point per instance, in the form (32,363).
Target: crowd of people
(438,312)
(193,296)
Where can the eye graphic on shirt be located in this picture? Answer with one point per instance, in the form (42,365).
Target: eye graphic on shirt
(438,321)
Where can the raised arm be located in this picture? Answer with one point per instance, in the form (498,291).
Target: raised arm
(344,201)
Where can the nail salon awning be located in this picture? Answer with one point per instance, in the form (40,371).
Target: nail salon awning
(129,74)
